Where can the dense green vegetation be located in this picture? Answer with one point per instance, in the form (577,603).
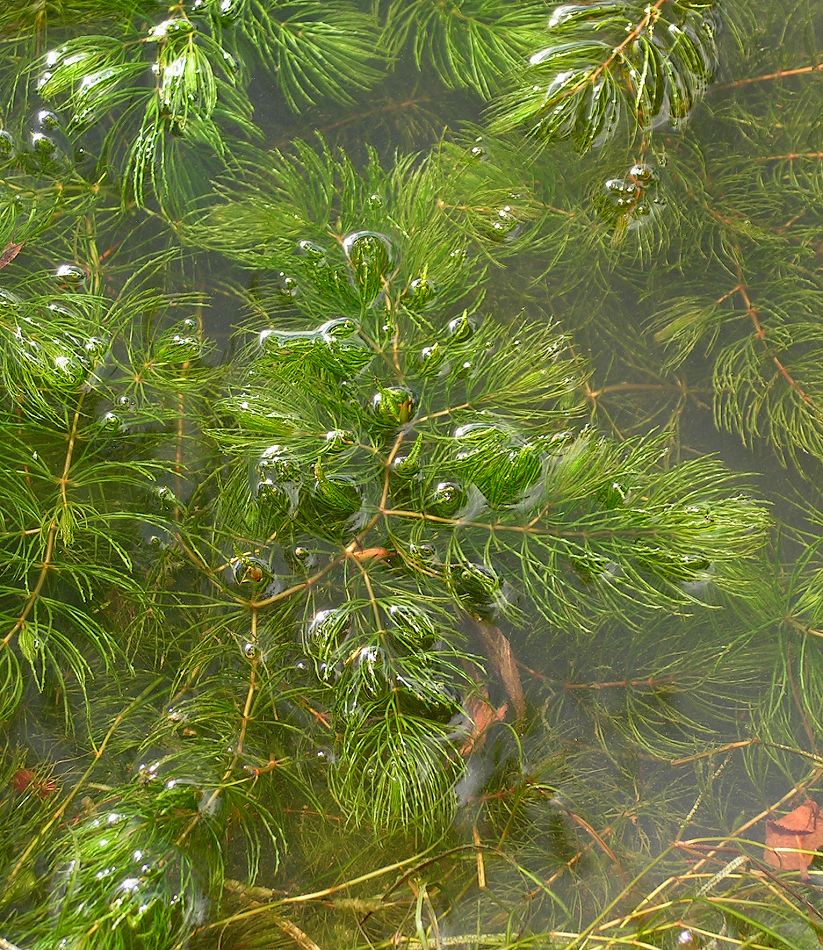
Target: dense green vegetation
(411,417)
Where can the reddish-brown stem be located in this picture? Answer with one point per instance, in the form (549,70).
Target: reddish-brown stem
(649,682)
(633,387)
(790,156)
(760,334)
(766,77)
(652,12)
(370,554)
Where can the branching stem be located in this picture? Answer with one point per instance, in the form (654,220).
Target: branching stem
(51,535)
(760,334)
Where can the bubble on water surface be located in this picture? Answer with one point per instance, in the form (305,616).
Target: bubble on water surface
(72,275)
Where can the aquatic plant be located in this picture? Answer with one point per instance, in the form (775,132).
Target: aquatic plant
(368,573)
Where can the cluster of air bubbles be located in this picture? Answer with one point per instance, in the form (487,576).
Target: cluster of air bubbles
(441,357)
(59,357)
(148,772)
(44,148)
(119,865)
(369,665)
(331,333)
(286,286)
(180,343)
(478,149)
(278,478)
(504,224)
(629,201)
(173,27)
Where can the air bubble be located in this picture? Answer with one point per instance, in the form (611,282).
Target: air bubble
(71,275)
(325,628)
(42,145)
(287,286)
(461,328)
(422,291)
(447,498)
(394,405)
(47,120)
(338,329)
(642,174)
(337,439)
(371,256)
(7,145)
(175,26)
(249,570)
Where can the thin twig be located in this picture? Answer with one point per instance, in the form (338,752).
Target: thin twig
(767,77)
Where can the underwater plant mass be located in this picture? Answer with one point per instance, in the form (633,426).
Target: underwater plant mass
(411,440)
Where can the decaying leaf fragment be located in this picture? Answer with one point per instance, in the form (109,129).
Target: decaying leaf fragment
(791,842)
(483,715)
(9,252)
(499,651)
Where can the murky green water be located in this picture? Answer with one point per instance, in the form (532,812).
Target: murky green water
(411,425)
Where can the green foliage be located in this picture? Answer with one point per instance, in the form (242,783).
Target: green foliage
(612,64)
(355,501)
(176,88)
(194,85)
(316,51)
(475,44)
(122,877)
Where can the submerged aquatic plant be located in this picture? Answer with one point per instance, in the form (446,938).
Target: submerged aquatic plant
(365,579)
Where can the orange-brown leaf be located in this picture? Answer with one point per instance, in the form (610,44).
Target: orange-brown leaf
(801,831)
(8,254)
(483,715)
(500,653)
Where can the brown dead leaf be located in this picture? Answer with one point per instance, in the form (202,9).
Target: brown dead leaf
(9,252)
(483,715)
(801,831)
(499,651)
